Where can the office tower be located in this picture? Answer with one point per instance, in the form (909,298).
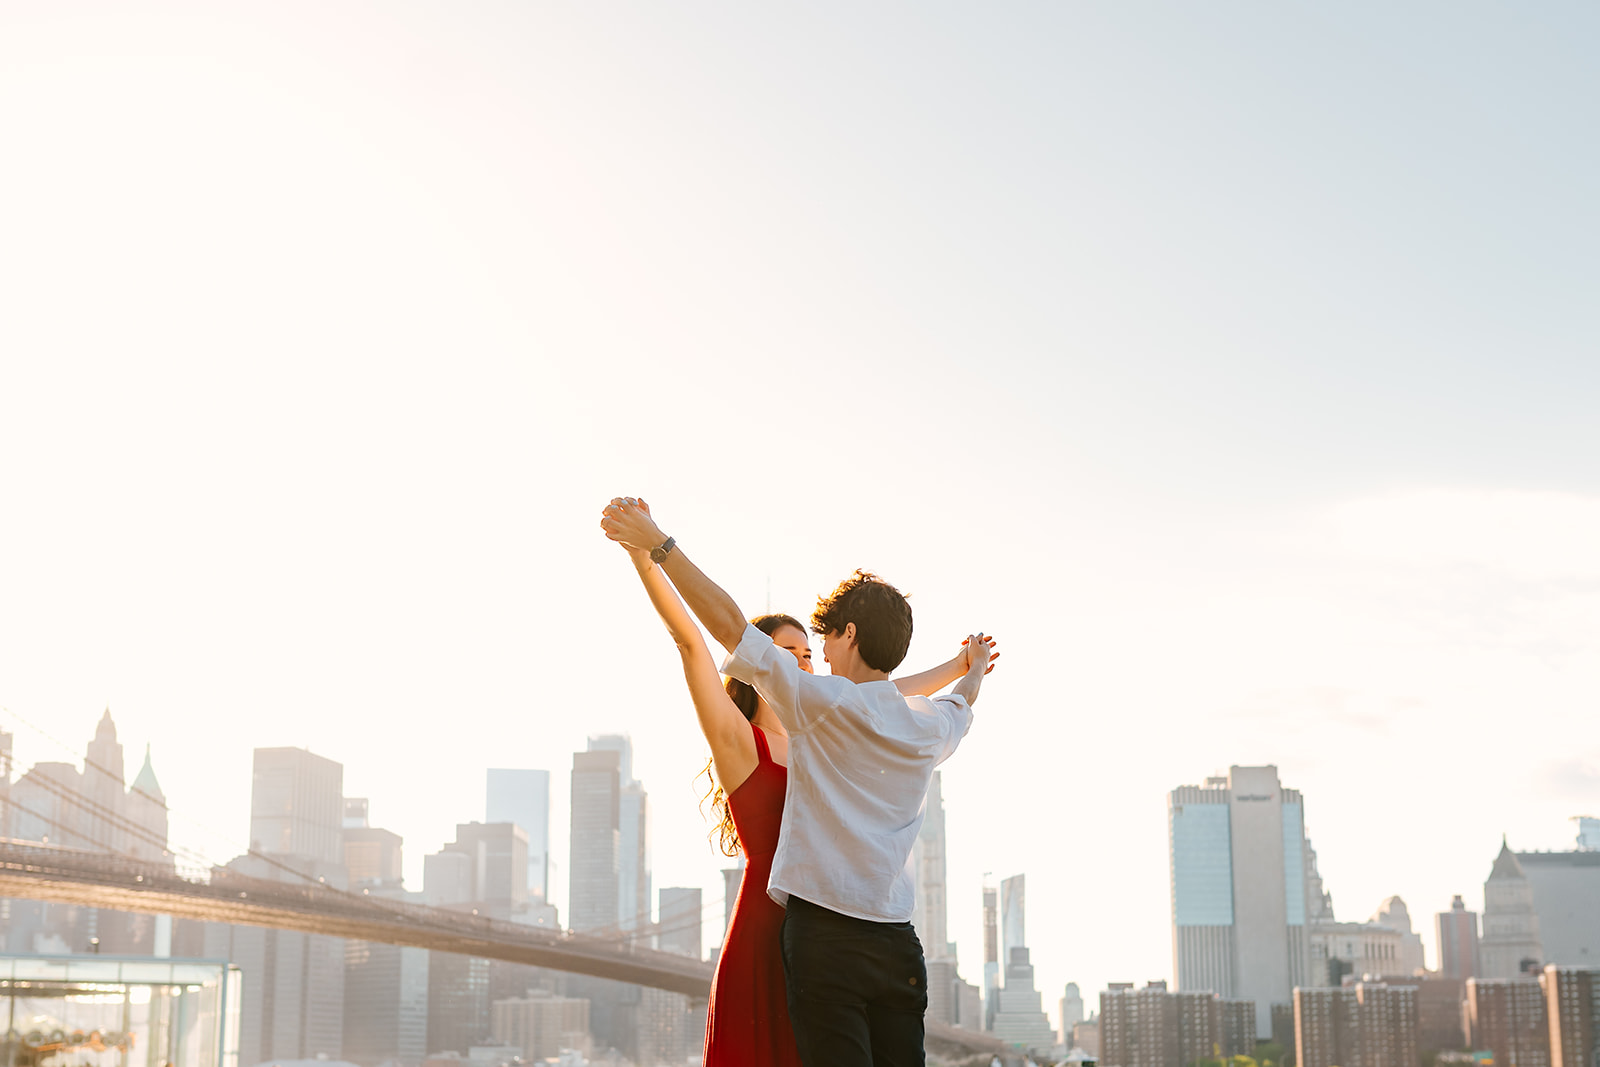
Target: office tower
(385,1004)
(1510,946)
(523,797)
(1588,831)
(1363,1025)
(458,1002)
(1071,1011)
(991,955)
(943,991)
(103,787)
(633,843)
(499,855)
(969,1006)
(293,982)
(595,840)
(1566,887)
(297,805)
(542,1024)
(1013,911)
(1457,931)
(928,865)
(1572,1004)
(664,1028)
(372,856)
(1507,1017)
(1239,862)
(449,878)
(680,921)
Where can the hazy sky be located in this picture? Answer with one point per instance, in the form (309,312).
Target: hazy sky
(1235,365)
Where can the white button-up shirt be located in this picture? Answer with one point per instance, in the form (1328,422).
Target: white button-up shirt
(860,760)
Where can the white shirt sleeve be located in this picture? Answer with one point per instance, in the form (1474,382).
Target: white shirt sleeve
(958,713)
(800,699)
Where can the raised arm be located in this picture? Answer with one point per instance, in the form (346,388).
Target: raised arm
(628,520)
(733,750)
(931,681)
(978,665)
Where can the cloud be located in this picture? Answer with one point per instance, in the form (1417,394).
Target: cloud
(1529,535)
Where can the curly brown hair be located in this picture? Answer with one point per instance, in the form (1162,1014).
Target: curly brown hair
(880,612)
(723,833)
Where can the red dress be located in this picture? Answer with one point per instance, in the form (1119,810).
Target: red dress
(748,1023)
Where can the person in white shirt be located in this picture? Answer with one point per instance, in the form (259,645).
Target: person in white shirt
(861,757)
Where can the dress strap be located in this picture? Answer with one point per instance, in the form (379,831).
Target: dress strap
(762,752)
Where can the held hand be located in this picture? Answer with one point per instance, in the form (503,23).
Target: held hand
(975,646)
(627,519)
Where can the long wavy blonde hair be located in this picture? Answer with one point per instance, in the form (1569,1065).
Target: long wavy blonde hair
(723,833)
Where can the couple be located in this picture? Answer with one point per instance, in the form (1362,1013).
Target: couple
(825,780)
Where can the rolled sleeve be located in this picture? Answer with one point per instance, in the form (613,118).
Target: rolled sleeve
(795,696)
(958,713)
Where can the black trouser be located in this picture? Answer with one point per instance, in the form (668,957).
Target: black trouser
(857,989)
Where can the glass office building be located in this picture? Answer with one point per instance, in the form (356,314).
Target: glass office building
(102,1011)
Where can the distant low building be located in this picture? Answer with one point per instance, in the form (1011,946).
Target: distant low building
(1154,1027)
(1360,1025)
(1506,1017)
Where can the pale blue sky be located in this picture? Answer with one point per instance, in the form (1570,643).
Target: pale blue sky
(1233,364)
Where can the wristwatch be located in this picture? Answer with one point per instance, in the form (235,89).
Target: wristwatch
(659,554)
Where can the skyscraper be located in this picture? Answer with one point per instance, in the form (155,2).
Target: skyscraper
(103,785)
(633,842)
(385,1003)
(372,855)
(523,797)
(293,982)
(1566,889)
(680,921)
(1071,1011)
(1588,832)
(297,805)
(595,840)
(1510,946)
(499,855)
(1240,896)
(1457,931)
(928,863)
(991,956)
(1013,912)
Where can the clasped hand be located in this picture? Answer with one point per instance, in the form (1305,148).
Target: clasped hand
(627,521)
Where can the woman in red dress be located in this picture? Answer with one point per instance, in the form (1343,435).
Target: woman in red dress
(747,1024)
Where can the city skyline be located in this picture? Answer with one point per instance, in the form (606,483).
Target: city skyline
(311,834)
(1235,367)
